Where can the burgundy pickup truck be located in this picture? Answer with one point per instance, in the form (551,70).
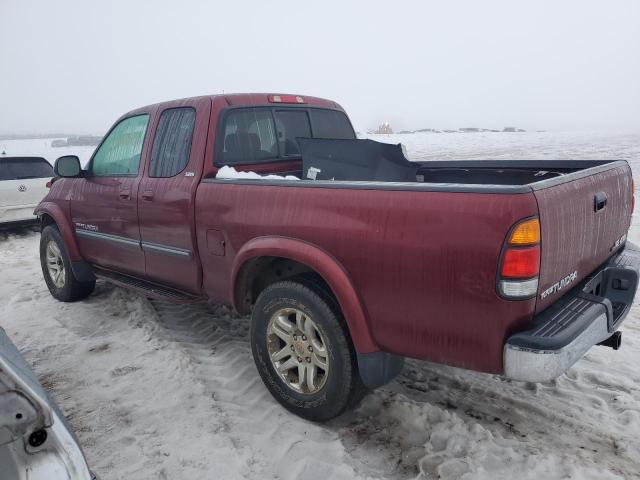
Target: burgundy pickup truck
(348,257)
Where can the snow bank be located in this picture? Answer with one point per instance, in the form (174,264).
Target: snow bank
(231,173)
(445,446)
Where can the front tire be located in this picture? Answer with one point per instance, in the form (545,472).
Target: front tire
(56,268)
(303,351)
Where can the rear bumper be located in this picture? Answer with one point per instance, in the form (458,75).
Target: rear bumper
(584,317)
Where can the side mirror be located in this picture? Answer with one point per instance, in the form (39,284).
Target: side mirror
(67,166)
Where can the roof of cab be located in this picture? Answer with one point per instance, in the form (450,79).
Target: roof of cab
(239,99)
(263,98)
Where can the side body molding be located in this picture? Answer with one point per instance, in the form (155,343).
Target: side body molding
(327,267)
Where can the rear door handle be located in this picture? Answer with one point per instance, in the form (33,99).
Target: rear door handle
(147,195)
(125,194)
(599,201)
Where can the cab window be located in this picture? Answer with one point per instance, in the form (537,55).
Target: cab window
(249,136)
(119,153)
(291,124)
(263,134)
(172,144)
(331,124)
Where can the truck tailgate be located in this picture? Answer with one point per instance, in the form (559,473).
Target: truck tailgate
(583,221)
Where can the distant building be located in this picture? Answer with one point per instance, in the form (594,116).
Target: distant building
(469,129)
(509,129)
(385,128)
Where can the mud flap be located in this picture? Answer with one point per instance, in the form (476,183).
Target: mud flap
(378,368)
(82,271)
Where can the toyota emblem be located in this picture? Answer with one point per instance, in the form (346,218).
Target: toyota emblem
(22,188)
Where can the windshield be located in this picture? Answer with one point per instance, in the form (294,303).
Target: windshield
(260,134)
(19,168)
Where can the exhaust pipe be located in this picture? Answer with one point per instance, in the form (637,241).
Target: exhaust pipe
(614,341)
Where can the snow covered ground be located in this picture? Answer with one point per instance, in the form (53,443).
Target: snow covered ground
(41,147)
(157,391)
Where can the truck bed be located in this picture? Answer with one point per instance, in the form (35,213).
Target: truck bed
(482,176)
(367,160)
(413,274)
(502,172)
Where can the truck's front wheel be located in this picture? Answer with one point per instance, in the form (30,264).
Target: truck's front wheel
(56,268)
(303,351)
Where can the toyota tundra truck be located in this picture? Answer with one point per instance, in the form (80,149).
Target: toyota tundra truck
(348,257)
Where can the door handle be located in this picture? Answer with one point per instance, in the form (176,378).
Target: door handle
(125,194)
(147,195)
(599,201)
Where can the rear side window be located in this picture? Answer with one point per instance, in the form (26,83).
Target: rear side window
(291,124)
(20,168)
(331,124)
(172,144)
(259,134)
(249,136)
(119,153)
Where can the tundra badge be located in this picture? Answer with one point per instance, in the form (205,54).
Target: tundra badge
(560,284)
(86,226)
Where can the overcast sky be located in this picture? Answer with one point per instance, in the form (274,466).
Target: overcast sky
(74,66)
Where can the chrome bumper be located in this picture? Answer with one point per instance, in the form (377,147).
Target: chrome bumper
(584,317)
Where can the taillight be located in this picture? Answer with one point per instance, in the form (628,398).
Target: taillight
(286,99)
(520,261)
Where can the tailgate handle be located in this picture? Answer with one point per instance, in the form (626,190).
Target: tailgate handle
(599,201)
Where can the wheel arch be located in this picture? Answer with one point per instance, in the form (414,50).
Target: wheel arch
(50,213)
(297,257)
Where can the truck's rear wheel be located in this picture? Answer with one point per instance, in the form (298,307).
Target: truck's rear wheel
(303,351)
(56,268)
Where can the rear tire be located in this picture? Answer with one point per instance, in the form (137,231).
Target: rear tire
(56,268)
(303,351)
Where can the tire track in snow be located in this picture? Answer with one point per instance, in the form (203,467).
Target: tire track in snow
(572,414)
(282,445)
(373,440)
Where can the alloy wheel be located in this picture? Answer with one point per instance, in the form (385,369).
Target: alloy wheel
(297,350)
(55,264)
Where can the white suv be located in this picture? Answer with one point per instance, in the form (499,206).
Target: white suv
(23,183)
